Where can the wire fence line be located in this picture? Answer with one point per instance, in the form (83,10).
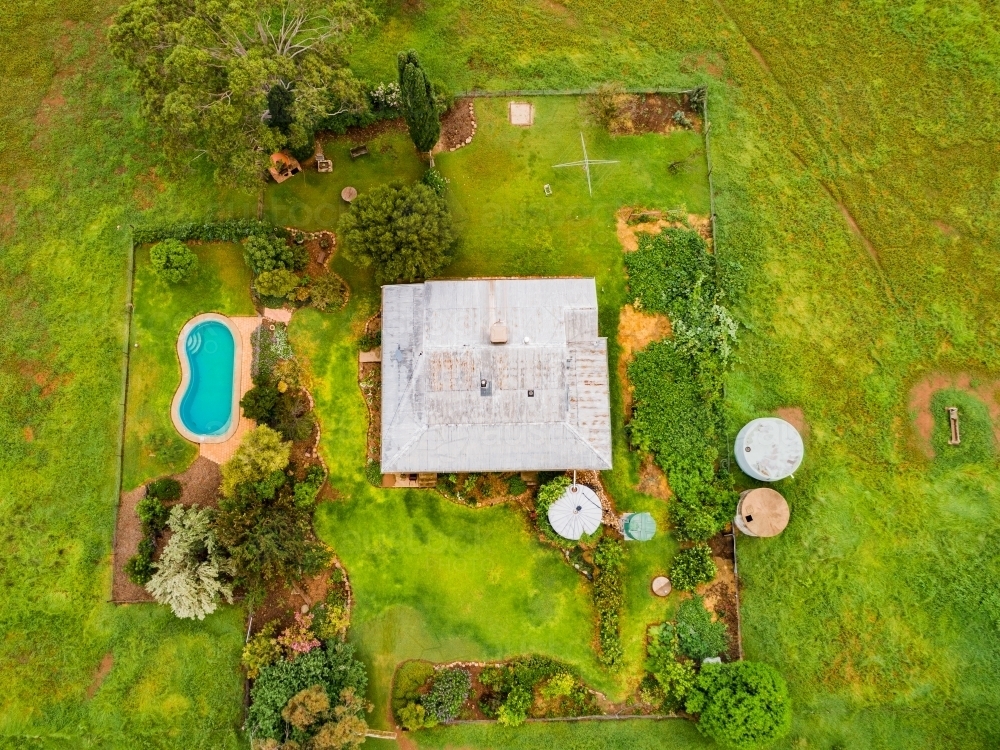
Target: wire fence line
(127,350)
(483,93)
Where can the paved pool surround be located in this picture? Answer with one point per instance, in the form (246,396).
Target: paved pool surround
(186,380)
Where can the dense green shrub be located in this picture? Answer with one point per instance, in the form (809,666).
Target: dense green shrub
(172,261)
(414,716)
(449,691)
(262,650)
(328,292)
(261,453)
(514,710)
(692,567)
(609,584)
(410,678)
(516,486)
(306,490)
(435,181)
(266,252)
(258,403)
(403,231)
(153,514)
(665,268)
(698,637)
(166,489)
(277,283)
(675,678)
(334,667)
(139,567)
(293,416)
(742,705)
(231,230)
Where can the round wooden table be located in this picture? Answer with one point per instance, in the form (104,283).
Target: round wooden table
(661,586)
(349,194)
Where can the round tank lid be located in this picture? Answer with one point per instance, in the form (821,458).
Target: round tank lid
(764,511)
(770,448)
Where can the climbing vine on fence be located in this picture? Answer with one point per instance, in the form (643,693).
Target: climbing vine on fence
(678,382)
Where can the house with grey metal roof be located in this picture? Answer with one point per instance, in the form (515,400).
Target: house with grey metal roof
(489,375)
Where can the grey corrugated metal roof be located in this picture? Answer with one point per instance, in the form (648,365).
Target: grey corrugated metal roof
(436,351)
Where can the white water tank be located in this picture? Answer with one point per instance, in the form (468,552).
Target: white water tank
(769,449)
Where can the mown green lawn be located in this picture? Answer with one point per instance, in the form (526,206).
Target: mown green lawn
(876,603)
(221,284)
(676,734)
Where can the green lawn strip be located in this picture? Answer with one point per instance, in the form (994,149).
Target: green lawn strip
(221,284)
(311,201)
(577,735)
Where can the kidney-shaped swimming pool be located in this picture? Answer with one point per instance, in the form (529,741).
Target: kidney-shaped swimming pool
(205,407)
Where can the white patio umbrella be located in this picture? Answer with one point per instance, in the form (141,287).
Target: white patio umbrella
(576,513)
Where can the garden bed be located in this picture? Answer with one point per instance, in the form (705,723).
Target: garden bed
(720,594)
(654,113)
(458,125)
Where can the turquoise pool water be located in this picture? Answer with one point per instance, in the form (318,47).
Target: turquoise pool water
(207,406)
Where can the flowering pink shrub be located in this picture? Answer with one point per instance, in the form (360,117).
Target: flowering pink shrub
(299,638)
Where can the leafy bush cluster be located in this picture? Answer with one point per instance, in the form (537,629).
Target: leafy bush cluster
(548,493)
(450,689)
(230,230)
(172,261)
(332,667)
(192,573)
(408,690)
(267,252)
(369,341)
(153,515)
(609,585)
(333,615)
(435,181)
(692,567)
(264,522)
(698,637)
(278,398)
(678,382)
(673,677)
(741,705)
(511,689)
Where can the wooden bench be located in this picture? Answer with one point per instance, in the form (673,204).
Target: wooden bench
(361,150)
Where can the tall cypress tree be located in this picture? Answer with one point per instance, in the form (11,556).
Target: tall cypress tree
(418,103)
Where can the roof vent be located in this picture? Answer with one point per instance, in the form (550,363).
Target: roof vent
(498,333)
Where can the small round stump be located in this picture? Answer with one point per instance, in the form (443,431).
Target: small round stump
(661,586)
(349,194)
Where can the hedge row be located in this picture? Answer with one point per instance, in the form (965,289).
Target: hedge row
(230,230)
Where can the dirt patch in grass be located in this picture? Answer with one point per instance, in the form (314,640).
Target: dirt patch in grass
(795,417)
(921,393)
(710,63)
(946,229)
(653,113)
(103,669)
(457,126)
(720,593)
(652,480)
(630,221)
(635,330)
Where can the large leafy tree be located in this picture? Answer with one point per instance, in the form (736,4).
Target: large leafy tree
(419,108)
(404,231)
(208,71)
(741,705)
(268,535)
